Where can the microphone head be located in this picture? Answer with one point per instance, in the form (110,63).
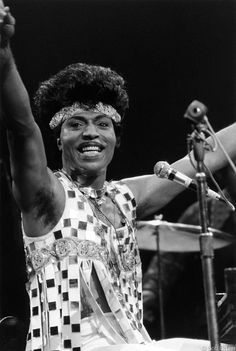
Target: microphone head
(196,112)
(161,169)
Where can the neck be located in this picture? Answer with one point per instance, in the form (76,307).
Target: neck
(86,180)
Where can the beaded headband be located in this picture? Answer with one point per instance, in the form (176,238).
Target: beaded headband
(67,112)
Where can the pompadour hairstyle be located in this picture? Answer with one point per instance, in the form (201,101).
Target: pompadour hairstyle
(80,82)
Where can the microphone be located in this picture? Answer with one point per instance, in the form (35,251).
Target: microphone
(162,169)
(196,112)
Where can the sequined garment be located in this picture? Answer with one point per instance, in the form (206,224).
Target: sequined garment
(84,267)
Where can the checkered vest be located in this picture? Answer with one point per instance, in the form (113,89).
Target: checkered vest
(60,266)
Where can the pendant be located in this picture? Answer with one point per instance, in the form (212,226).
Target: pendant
(100,201)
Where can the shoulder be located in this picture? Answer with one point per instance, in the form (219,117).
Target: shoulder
(120,187)
(124,198)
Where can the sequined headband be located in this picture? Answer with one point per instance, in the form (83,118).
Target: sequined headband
(67,112)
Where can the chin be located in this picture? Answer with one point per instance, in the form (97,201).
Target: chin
(92,168)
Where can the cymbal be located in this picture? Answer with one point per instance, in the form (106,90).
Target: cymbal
(176,237)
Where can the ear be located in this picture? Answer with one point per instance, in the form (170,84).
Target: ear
(59,144)
(118,140)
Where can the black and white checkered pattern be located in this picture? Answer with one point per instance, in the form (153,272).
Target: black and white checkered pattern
(55,290)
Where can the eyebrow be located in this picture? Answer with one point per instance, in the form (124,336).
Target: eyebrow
(75,116)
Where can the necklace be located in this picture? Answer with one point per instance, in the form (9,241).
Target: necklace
(97,195)
(127,257)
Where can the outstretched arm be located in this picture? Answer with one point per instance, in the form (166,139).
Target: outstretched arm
(153,193)
(31,178)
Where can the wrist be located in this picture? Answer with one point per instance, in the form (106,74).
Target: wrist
(6,60)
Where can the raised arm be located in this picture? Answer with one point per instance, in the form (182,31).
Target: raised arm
(153,193)
(33,183)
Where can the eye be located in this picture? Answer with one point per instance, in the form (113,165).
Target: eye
(76,124)
(103,124)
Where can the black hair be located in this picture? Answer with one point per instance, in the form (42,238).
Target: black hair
(80,82)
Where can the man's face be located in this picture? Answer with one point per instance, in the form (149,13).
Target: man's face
(87,141)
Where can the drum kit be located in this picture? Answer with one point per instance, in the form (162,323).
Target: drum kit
(162,236)
(176,237)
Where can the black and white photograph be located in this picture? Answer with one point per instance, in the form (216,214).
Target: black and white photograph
(117,175)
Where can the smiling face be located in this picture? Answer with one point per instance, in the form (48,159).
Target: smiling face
(87,141)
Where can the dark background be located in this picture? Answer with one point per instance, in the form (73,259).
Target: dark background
(170,53)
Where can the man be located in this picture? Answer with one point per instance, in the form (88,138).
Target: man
(79,230)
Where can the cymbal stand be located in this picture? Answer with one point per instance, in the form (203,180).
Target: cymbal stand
(206,238)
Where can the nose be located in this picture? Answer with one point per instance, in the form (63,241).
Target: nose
(90,131)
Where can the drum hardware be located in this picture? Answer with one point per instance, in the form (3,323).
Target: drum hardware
(176,237)
(227,308)
(162,236)
(197,144)
(10,329)
(159,281)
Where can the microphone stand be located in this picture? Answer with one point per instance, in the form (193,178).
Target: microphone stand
(159,280)
(206,240)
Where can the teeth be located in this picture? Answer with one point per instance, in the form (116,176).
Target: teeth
(91,148)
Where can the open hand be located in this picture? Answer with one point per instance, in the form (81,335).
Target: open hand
(7,25)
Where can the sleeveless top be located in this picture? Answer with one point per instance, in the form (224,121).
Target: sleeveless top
(83,266)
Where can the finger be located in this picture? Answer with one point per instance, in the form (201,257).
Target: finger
(4,12)
(1,4)
(3,15)
(4,9)
(6,16)
(9,19)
